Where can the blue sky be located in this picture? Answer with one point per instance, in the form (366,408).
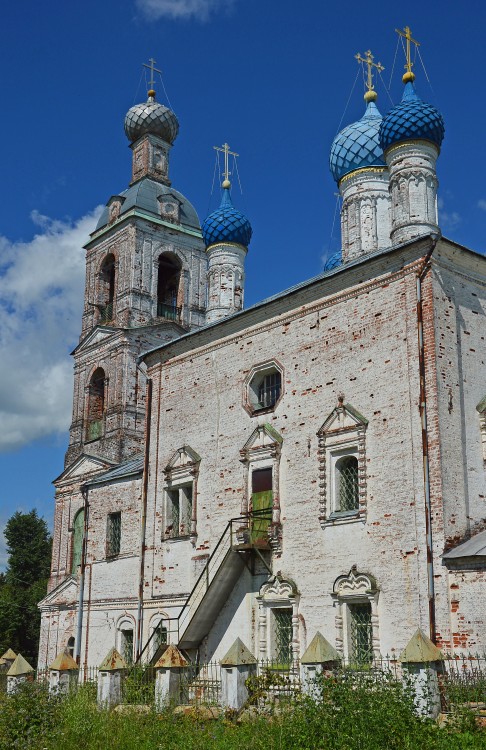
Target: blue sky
(271,77)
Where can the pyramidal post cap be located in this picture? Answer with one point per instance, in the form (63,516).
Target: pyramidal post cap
(357,146)
(171,659)
(411,120)
(420,650)
(19,667)
(112,662)
(63,663)
(238,655)
(9,655)
(320,651)
(226,224)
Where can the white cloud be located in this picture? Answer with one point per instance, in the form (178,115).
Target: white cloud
(448,220)
(41,297)
(482,204)
(182,9)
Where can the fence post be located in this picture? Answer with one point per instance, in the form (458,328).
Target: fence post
(63,674)
(318,657)
(422,661)
(110,676)
(168,677)
(238,664)
(18,673)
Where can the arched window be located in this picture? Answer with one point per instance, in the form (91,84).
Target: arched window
(96,405)
(168,288)
(107,289)
(70,647)
(347,483)
(77,541)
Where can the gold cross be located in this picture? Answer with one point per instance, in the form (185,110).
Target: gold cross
(368,61)
(407,34)
(153,70)
(226,150)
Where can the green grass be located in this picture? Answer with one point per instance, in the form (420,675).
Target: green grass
(341,716)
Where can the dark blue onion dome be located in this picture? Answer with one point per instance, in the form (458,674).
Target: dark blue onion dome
(226,224)
(151,118)
(333,261)
(357,146)
(411,120)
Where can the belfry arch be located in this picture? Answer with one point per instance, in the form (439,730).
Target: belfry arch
(169,287)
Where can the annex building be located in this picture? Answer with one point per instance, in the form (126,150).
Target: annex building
(313,463)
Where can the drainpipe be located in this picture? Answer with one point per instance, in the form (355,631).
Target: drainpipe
(79,623)
(148,410)
(425,440)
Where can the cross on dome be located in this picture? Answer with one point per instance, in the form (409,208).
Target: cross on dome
(409,76)
(370,95)
(153,69)
(225,149)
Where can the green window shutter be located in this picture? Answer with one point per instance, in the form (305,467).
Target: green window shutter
(261,504)
(78,532)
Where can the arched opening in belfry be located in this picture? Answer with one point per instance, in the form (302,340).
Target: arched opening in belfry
(96,405)
(107,289)
(169,293)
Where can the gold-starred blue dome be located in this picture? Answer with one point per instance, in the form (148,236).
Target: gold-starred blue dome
(357,145)
(152,118)
(411,120)
(226,224)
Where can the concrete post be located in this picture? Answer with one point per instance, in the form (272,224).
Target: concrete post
(18,673)
(63,674)
(319,657)
(110,679)
(238,664)
(168,678)
(422,662)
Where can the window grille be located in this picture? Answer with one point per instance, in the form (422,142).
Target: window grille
(127,645)
(160,637)
(113,535)
(269,390)
(347,468)
(283,636)
(361,649)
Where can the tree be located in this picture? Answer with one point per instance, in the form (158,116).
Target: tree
(25,583)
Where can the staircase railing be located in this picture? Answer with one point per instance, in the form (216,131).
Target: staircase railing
(236,535)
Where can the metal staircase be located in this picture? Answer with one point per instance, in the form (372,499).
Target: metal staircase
(237,547)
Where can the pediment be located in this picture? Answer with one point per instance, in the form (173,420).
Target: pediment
(263,437)
(184,461)
(343,417)
(65,593)
(84,465)
(94,338)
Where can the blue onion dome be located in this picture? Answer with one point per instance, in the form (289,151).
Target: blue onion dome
(357,146)
(226,224)
(151,117)
(333,261)
(411,120)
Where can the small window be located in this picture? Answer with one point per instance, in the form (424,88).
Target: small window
(179,512)
(264,388)
(360,633)
(127,645)
(70,647)
(113,534)
(347,487)
(282,619)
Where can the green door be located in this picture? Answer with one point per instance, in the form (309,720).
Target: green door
(261,505)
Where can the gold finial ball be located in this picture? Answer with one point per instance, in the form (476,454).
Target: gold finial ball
(408,77)
(370,96)
(151,92)
(226,184)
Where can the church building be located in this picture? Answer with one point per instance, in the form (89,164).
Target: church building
(315,462)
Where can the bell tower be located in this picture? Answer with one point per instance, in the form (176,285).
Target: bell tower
(146,271)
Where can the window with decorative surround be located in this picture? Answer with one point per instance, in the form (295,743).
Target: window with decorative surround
(356,598)
(180,512)
(342,466)
(278,622)
(263,387)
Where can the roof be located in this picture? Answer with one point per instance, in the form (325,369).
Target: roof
(474,547)
(130,468)
(145,195)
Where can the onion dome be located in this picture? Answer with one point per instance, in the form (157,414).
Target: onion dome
(333,261)
(226,224)
(153,118)
(411,120)
(357,146)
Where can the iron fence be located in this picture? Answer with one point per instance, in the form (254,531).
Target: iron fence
(138,685)
(201,684)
